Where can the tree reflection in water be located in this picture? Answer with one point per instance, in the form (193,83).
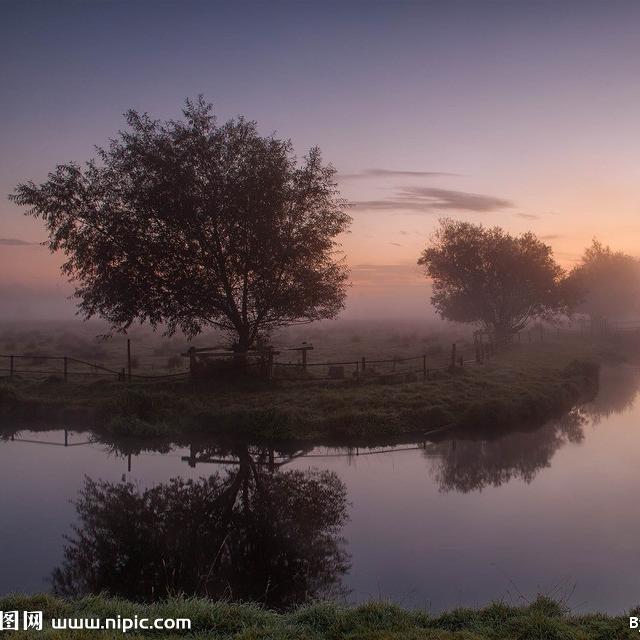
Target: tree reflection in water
(617,391)
(471,465)
(250,533)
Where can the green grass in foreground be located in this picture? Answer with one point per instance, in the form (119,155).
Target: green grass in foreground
(543,619)
(528,383)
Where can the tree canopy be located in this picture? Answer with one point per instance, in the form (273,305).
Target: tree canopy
(609,281)
(487,276)
(188,223)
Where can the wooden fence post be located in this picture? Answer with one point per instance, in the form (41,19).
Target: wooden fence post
(129,359)
(453,355)
(424,367)
(65,368)
(364,364)
(270,364)
(10,365)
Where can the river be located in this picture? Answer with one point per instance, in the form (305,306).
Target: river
(437,523)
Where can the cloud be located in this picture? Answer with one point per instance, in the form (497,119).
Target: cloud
(448,199)
(552,236)
(386,173)
(527,216)
(395,244)
(430,200)
(14,242)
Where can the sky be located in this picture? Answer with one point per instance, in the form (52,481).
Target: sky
(522,114)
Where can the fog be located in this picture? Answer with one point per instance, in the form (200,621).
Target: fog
(377,292)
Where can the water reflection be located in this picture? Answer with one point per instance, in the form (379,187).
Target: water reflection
(617,391)
(471,465)
(425,517)
(252,532)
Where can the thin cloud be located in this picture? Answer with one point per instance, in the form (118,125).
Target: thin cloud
(395,244)
(552,236)
(430,200)
(389,204)
(448,199)
(527,216)
(386,173)
(14,242)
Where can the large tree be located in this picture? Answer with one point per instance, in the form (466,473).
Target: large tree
(488,277)
(189,223)
(245,534)
(608,280)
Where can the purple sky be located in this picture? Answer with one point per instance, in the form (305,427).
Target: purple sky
(522,114)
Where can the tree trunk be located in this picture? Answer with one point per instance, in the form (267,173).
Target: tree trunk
(241,347)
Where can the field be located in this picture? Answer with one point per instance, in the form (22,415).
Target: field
(527,382)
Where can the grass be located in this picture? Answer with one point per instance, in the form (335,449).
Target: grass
(543,619)
(528,383)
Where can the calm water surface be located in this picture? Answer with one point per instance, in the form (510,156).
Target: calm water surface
(435,524)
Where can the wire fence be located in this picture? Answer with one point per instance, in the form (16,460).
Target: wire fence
(269,364)
(67,367)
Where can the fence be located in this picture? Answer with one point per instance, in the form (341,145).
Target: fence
(267,364)
(410,368)
(453,356)
(68,367)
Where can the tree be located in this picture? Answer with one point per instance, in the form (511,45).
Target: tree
(244,534)
(466,465)
(489,277)
(191,224)
(609,281)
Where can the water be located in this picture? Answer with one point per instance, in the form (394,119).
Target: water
(433,524)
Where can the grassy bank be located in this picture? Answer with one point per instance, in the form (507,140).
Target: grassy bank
(543,619)
(525,384)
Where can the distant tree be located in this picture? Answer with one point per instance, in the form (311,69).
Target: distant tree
(609,282)
(189,223)
(489,277)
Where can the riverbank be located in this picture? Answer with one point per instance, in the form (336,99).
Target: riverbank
(522,385)
(543,619)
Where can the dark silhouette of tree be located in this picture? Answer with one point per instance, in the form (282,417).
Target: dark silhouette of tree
(489,277)
(189,224)
(609,282)
(466,465)
(249,534)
